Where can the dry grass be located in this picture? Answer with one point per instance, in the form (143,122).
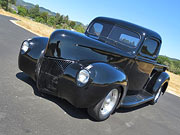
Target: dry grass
(44,30)
(35,27)
(174,84)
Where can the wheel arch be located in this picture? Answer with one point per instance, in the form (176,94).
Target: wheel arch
(123,90)
(164,87)
(112,76)
(162,80)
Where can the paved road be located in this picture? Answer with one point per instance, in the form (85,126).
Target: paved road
(23,111)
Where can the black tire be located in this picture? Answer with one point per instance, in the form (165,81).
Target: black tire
(156,96)
(94,111)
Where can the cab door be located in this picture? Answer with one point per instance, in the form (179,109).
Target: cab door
(144,63)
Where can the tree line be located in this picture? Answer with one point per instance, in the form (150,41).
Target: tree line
(173,64)
(58,21)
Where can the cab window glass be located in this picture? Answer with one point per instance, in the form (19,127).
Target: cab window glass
(149,47)
(124,36)
(96,29)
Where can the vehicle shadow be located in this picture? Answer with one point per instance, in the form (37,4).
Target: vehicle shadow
(66,106)
(63,104)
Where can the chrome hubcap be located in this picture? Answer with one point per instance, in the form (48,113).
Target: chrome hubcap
(109,102)
(157,95)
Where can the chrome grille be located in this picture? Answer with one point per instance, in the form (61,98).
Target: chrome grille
(51,70)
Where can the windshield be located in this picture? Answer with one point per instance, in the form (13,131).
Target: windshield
(114,34)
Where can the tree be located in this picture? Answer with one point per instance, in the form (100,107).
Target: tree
(61,19)
(51,21)
(34,12)
(174,65)
(79,28)
(58,19)
(66,19)
(12,1)
(44,16)
(4,3)
(72,24)
(162,59)
(22,11)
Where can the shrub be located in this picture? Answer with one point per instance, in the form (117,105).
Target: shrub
(39,19)
(173,64)
(22,11)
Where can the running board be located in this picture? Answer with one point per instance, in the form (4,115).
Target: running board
(134,100)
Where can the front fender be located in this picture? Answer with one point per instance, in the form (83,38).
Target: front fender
(103,78)
(160,81)
(105,74)
(108,75)
(27,61)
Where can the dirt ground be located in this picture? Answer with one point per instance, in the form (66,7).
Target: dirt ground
(26,23)
(174,84)
(44,30)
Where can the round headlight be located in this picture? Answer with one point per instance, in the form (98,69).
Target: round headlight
(25,46)
(83,77)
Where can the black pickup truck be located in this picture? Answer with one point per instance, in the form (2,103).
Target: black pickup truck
(113,64)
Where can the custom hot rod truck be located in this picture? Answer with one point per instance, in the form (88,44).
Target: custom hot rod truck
(113,64)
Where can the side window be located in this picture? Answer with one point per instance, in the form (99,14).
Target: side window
(150,47)
(96,29)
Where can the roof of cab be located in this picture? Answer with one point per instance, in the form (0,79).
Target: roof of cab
(130,26)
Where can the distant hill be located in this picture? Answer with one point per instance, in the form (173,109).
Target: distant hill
(175,59)
(30,5)
(42,9)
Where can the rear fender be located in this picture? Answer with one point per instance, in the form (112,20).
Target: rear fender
(160,81)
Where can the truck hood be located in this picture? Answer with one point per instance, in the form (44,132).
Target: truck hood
(76,46)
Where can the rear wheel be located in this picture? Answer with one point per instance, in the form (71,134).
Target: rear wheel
(157,96)
(106,106)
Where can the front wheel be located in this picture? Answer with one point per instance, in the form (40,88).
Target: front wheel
(106,106)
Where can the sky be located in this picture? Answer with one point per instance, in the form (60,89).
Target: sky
(162,16)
